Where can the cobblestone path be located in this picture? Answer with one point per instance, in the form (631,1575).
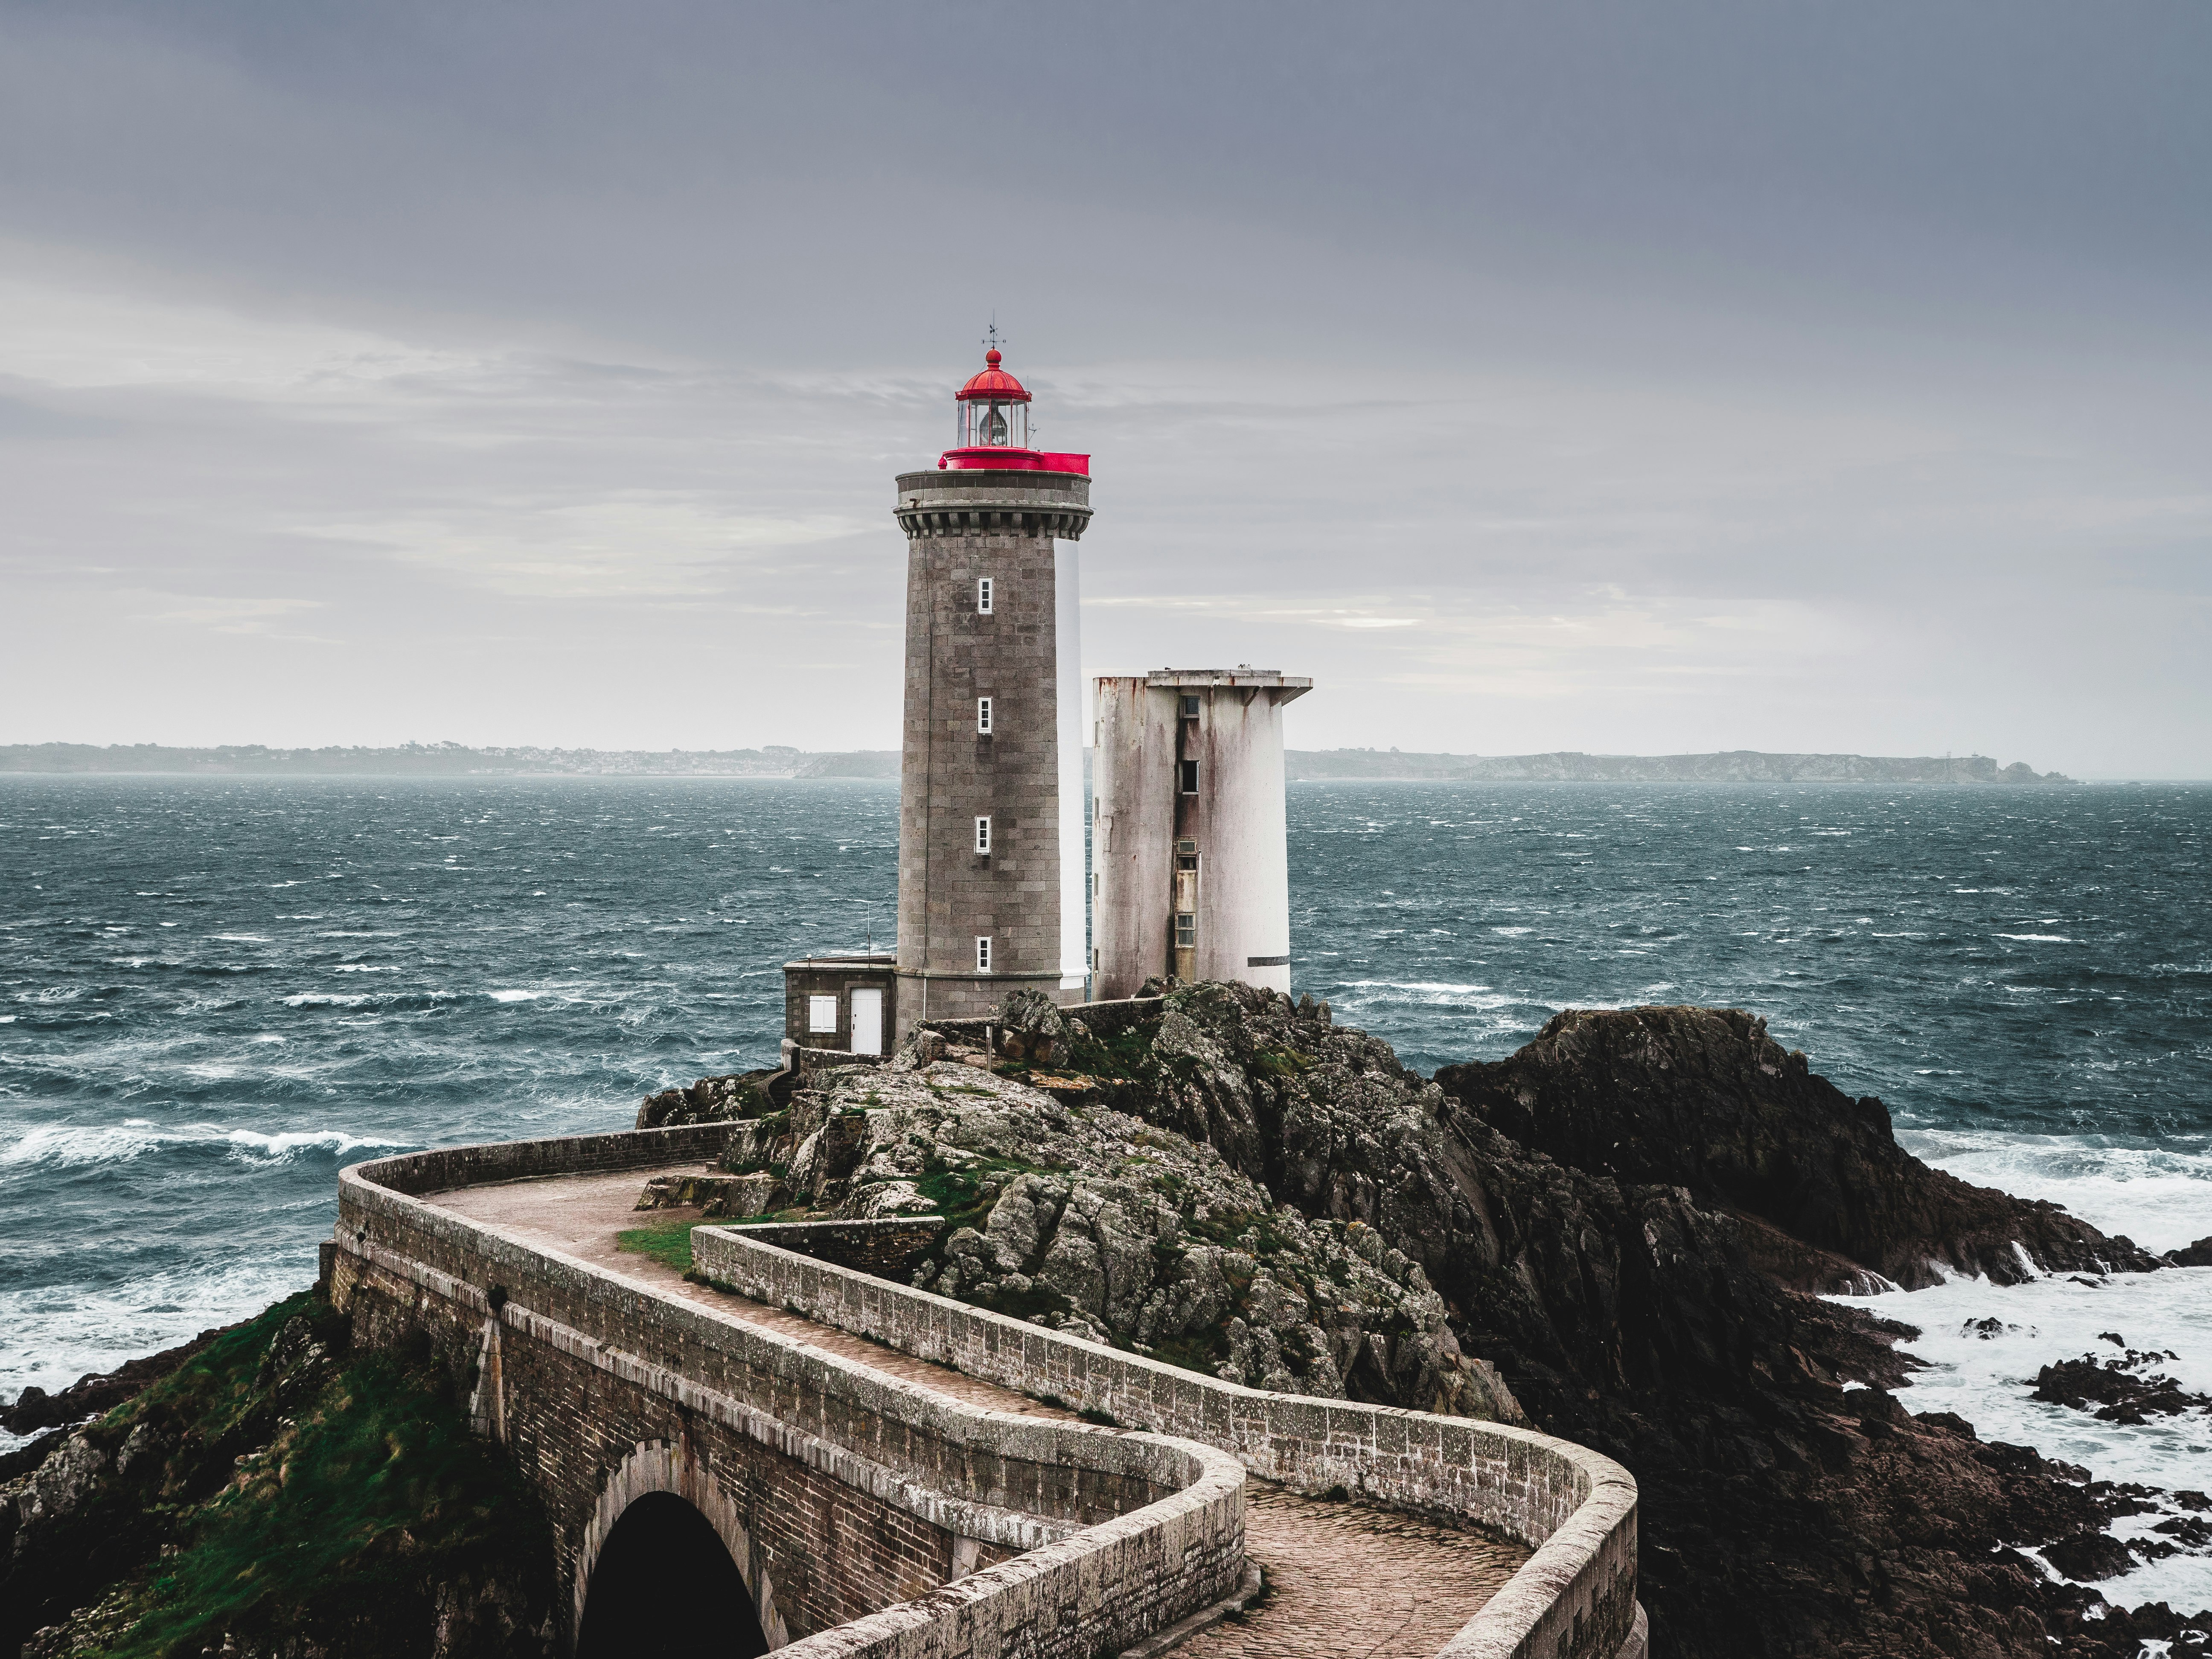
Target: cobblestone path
(1346,1580)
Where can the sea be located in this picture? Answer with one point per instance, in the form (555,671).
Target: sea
(216,992)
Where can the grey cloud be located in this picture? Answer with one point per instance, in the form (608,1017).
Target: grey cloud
(547,365)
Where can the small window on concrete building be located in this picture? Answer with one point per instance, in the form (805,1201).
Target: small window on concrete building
(1185,930)
(983,835)
(983,717)
(1186,855)
(982,953)
(1190,708)
(1188,778)
(983,596)
(822,1013)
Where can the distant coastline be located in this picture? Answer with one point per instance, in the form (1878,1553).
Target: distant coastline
(446,760)
(1734,765)
(780,761)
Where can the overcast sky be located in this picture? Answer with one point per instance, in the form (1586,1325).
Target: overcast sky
(1634,378)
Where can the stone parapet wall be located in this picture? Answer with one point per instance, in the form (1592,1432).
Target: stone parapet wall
(1574,1598)
(848,1493)
(520,1160)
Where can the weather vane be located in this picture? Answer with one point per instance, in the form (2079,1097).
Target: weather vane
(991,342)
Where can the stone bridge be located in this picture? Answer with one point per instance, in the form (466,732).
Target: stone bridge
(781,1454)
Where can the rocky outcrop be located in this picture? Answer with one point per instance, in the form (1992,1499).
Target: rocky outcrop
(1704,1099)
(97,1392)
(710,1100)
(2118,1389)
(2198,1255)
(275,1496)
(1791,1502)
(1090,1220)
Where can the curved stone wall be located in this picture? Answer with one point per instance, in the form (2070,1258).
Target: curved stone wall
(616,1356)
(1575,1596)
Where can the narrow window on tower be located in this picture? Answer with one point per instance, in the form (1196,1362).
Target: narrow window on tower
(1185,930)
(983,717)
(1189,776)
(1190,708)
(983,596)
(983,835)
(982,953)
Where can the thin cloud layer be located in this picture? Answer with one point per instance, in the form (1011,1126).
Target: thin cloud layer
(1711,378)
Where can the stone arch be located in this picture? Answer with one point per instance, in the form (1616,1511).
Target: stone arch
(656,1467)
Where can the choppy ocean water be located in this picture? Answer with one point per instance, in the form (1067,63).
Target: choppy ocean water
(214,992)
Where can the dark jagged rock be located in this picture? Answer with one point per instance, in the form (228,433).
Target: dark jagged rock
(2198,1255)
(2115,1390)
(1704,1099)
(32,1455)
(1649,1307)
(710,1100)
(2089,1557)
(97,1392)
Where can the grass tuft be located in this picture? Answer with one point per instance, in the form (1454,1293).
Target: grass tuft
(668,1243)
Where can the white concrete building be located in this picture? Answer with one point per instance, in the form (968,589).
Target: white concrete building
(1190,867)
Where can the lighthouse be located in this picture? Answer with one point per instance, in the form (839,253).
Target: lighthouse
(990,873)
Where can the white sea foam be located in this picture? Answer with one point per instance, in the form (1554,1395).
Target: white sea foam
(515,996)
(1987,1378)
(2039,938)
(2159,1194)
(54,1338)
(75,1145)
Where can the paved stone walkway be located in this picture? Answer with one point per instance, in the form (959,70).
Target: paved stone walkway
(1346,1580)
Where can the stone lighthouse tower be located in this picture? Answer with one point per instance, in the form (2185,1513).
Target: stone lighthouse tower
(991,868)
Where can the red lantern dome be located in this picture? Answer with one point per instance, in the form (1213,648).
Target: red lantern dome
(994,383)
(993,433)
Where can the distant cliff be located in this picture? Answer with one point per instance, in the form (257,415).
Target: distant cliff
(1736,766)
(440,760)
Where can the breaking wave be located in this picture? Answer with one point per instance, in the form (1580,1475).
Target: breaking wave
(67,1147)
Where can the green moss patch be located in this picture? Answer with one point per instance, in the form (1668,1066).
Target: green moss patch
(306,1499)
(960,1193)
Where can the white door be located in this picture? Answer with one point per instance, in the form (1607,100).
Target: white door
(867,1022)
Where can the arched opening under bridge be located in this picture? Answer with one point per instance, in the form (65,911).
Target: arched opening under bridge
(663,1584)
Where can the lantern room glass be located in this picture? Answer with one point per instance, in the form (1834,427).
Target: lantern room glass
(994,423)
